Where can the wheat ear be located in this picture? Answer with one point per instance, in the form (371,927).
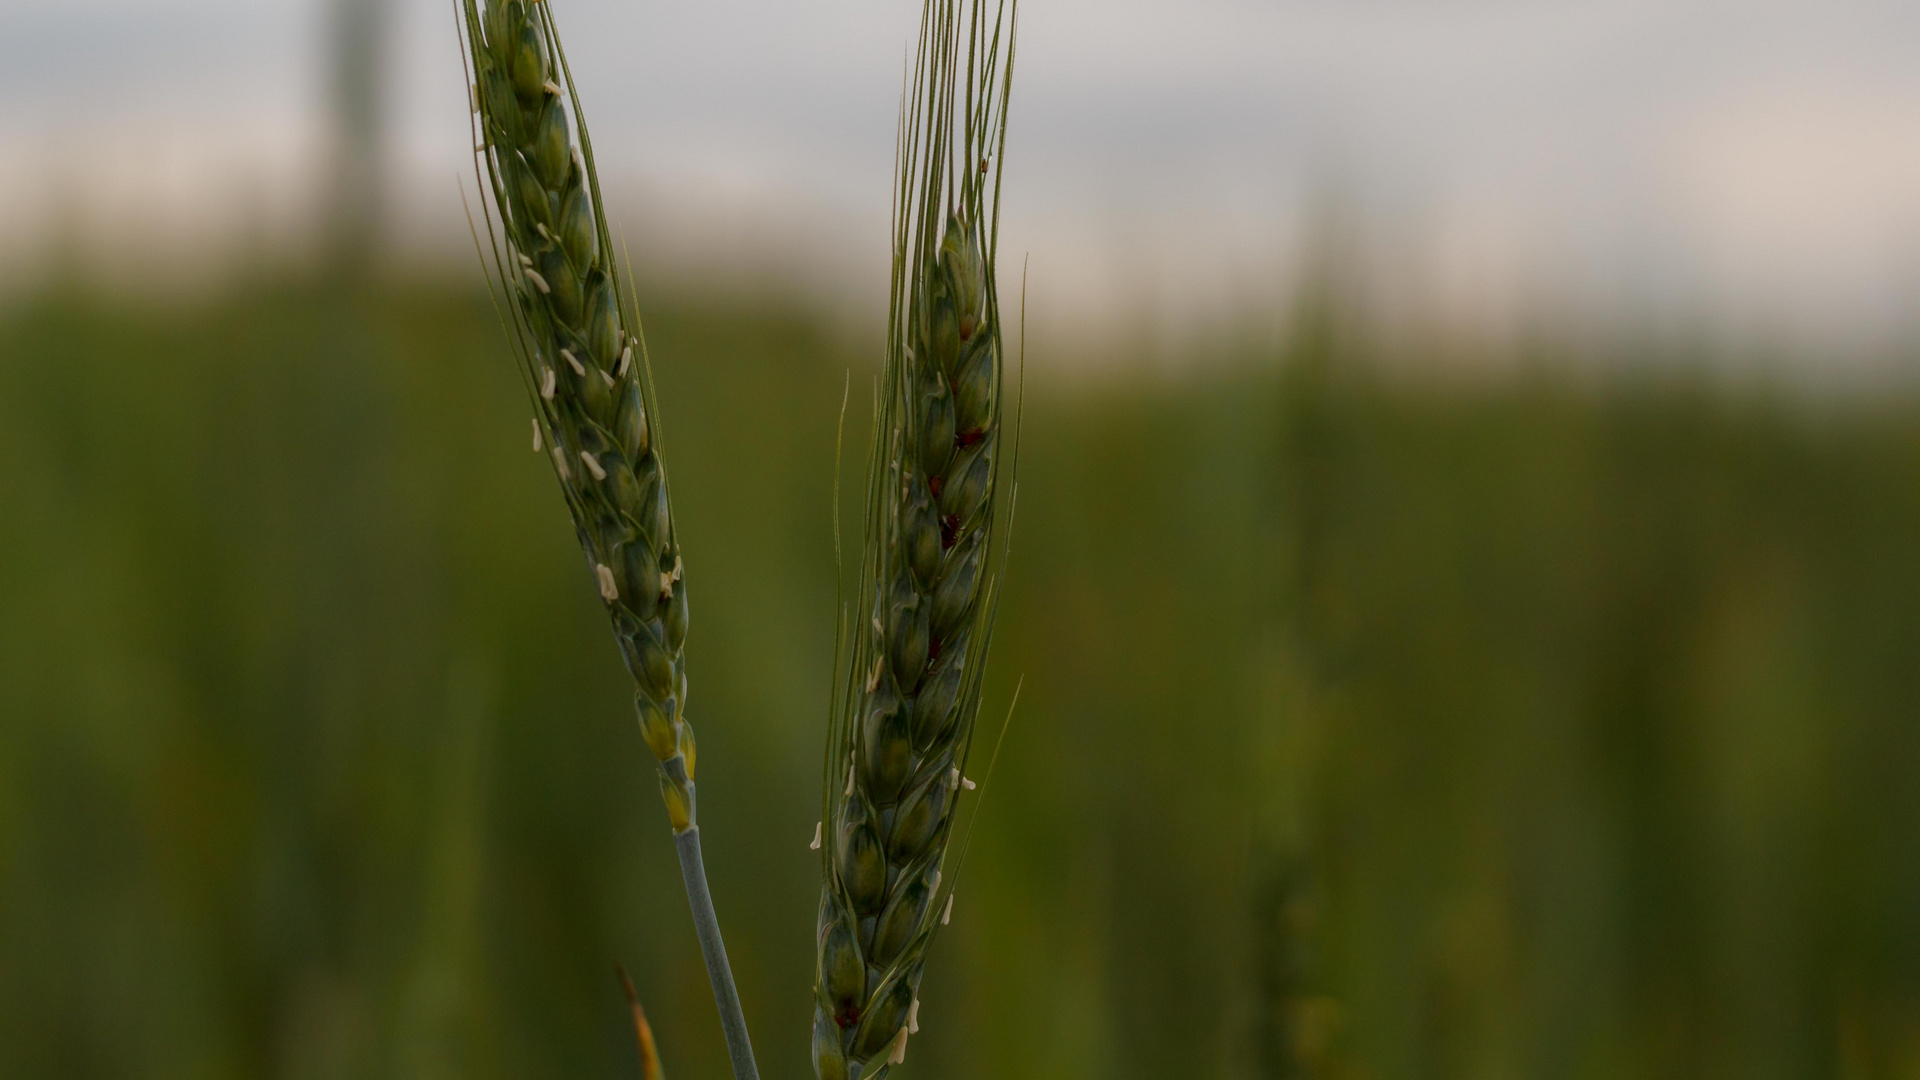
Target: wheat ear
(593,411)
(903,716)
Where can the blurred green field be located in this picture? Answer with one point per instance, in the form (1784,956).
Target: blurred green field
(1548,727)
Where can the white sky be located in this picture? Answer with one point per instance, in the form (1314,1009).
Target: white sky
(1754,161)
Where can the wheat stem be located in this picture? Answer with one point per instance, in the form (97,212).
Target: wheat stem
(706,925)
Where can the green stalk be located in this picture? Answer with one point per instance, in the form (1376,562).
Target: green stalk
(733,1022)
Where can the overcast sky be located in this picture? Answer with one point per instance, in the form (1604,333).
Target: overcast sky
(1758,160)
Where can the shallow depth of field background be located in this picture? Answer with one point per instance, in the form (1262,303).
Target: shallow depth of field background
(1465,587)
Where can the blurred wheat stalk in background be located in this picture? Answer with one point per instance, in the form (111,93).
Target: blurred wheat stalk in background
(903,717)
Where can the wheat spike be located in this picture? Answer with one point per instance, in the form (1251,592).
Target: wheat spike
(553,261)
(574,339)
(903,718)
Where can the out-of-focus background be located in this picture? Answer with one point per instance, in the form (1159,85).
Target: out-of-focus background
(1466,584)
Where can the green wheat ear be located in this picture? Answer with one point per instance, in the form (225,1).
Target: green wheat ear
(592,412)
(581,356)
(903,716)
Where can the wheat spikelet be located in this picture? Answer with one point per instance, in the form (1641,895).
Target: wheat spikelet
(582,357)
(903,718)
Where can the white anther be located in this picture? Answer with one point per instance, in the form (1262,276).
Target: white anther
(913,1017)
(968,784)
(522,256)
(947,914)
(542,230)
(593,465)
(679,570)
(873,680)
(899,1054)
(849,781)
(934,885)
(666,586)
(551,87)
(538,281)
(609,590)
(573,362)
(877,628)
(953,779)
(626,357)
(815,846)
(579,162)
(536,436)
(608,378)
(560,462)
(547,383)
